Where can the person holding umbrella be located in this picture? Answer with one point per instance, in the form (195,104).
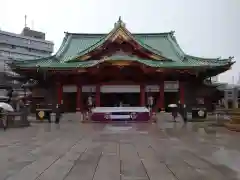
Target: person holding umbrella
(4,108)
(174,109)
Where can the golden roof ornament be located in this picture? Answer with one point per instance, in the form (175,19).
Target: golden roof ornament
(105,58)
(119,23)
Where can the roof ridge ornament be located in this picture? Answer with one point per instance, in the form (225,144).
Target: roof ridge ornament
(119,23)
(172,33)
(184,58)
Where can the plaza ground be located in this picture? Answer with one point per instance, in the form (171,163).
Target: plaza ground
(162,151)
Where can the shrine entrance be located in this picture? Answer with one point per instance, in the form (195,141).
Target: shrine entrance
(120,95)
(120,99)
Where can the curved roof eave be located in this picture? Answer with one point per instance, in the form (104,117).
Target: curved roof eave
(180,52)
(177,49)
(65,44)
(86,64)
(204,58)
(213,60)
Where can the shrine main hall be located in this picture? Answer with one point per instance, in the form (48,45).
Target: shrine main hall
(121,67)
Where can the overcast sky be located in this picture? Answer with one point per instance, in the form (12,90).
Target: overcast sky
(206,28)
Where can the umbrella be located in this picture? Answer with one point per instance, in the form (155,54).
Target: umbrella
(6,106)
(172,105)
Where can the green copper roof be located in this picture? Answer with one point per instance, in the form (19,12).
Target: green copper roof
(77,44)
(191,63)
(164,44)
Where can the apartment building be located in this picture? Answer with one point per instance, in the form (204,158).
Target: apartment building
(29,44)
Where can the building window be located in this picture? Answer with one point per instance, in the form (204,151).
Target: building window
(27,41)
(5,53)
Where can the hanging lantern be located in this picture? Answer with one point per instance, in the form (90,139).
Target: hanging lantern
(150,100)
(90,101)
(133,115)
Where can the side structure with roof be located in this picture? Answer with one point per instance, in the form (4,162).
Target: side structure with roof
(123,67)
(30,44)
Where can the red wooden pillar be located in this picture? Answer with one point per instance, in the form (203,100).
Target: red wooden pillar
(98,102)
(161,96)
(142,95)
(79,98)
(181,92)
(59,93)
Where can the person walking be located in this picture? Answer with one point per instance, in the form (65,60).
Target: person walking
(4,119)
(174,113)
(58,114)
(184,112)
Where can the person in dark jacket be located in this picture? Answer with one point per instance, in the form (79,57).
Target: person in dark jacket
(174,113)
(58,113)
(183,111)
(175,110)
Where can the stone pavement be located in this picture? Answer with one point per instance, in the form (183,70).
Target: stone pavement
(162,151)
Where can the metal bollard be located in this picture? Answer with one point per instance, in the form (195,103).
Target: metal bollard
(52,117)
(79,116)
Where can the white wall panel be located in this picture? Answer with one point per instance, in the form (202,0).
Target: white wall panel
(152,88)
(120,88)
(171,85)
(69,88)
(88,88)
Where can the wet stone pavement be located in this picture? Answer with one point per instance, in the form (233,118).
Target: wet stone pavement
(162,151)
